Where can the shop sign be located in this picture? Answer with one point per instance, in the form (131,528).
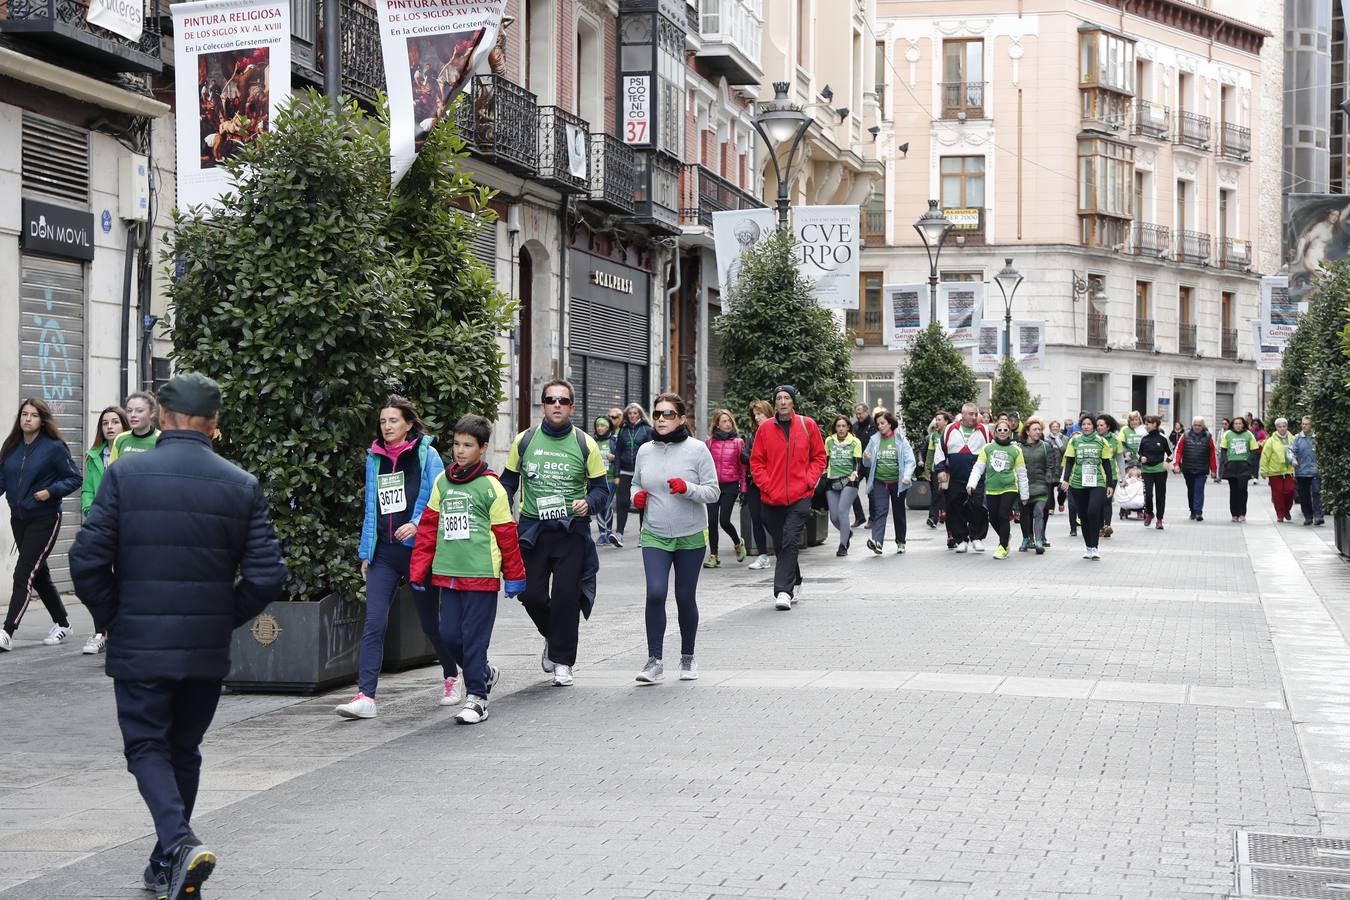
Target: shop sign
(611,281)
(57,230)
(637,109)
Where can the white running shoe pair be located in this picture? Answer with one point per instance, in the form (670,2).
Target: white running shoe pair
(654,671)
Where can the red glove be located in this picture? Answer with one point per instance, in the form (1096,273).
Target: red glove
(677,485)
(640,500)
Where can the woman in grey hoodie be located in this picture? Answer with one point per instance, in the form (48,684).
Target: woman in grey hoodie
(674,478)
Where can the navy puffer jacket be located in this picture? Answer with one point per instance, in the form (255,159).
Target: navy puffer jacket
(43,465)
(176,553)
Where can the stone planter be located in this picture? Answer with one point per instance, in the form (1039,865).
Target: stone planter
(1342,526)
(405,645)
(301,647)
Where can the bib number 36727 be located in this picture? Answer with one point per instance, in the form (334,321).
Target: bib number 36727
(392,497)
(552,508)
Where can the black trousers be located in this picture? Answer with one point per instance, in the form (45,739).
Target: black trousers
(937,502)
(623,499)
(162,724)
(785,524)
(720,512)
(1155,493)
(757,530)
(34,539)
(552,597)
(1000,507)
(1237,496)
(1090,503)
(966,516)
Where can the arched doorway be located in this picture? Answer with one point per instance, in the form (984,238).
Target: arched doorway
(525,342)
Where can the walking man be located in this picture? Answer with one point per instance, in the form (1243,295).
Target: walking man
(864,426)
(176,553)
(786,462)
(1307,477)
(562,476)
(954,460)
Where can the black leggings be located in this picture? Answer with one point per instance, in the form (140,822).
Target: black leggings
(1237,496)
(623,502)
(757,529)
(1155,483)
(1090,502)
(657,564)
(1000,508)
(34,539)
(720,512)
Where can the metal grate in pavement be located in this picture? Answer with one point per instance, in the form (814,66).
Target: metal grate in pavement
(1305,867)
(1294,850)
(1303,884)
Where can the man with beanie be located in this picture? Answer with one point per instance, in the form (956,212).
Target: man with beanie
(786,462)
(176,553)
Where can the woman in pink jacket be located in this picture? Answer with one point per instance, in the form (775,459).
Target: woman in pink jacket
(726,446)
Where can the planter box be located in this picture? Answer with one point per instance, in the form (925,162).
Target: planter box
(302,647)
(1342,527)
(405,644)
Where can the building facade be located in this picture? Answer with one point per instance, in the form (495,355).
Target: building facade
(1119,154)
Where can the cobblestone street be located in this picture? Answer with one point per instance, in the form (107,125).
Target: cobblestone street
(919,726)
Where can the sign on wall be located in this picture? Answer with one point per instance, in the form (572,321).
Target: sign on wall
(904,313)
(637,109)
(959,307)
(1279,310)
(988,345)
(827,252)
(57,230)
(1028,343)
(121,17)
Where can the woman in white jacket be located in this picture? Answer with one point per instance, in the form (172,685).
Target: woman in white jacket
(674,479)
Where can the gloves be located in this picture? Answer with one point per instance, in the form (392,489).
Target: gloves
(640,500)
(514,588)
(677,485)
(420,588)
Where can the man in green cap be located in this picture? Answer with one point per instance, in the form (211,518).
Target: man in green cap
(177,552)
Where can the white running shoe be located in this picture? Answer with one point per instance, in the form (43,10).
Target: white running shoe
(544,662)
(652,672)
(796,593)
(6,642)
(963,547)
(977,546)
(96,644)
(761,563)
(1087,553)
(57,635)
(783,601)
(688,669)
(1096,554)
(475,710)
(359,707)
(452,693)
(562,675)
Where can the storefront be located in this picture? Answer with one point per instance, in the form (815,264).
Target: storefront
(609,333)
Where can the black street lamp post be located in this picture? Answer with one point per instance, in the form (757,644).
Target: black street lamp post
(933,227)
(1007,280)
(780,121)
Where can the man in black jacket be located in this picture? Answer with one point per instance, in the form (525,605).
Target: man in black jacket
(175,554)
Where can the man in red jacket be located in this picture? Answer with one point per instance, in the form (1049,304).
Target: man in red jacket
(786,463)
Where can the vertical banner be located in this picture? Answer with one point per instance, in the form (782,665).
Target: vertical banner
(1279,310)
(827,252)
(431,49)
(578,154)
(1028,343)
(734,232)
(637,109)
(234,56)
(1317,233)
(1269,352)
(988,346)
(959,306)
(121,17)
(904,313)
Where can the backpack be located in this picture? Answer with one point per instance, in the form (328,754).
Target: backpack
(529,435)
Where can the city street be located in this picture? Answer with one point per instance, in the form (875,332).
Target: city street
(921,726)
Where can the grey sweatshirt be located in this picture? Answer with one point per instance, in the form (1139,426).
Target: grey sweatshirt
(676,515)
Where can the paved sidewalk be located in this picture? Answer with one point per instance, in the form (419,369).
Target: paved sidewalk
(927,725)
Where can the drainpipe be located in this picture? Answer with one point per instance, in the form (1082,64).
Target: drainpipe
(125,354)
(665,312)
(564,299)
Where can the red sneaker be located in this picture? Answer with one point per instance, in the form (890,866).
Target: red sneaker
(1158,525)
(1148,519)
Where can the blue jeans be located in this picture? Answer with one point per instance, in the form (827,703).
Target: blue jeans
(604,517)
(1195,491)
(383,577)
(467,618)
(892,493)
(657,564)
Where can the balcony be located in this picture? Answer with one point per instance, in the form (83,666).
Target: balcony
(874,226)
(564,150)
(613,177)
(730,30)
(1228,343)
(1096,329)
(499,121)
(1235,142)
(963,100)
(1235,255)
(1143,334)
(60,26)
(362,59)
(1147,239)
(1186,338)
(703,193)
(657,192)
(1151,120)
(1193,247)
(1192,130)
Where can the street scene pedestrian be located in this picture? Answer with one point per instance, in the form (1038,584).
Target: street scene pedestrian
(727,448)
(1089,474)
(1042,475)
(635,431)
(1277,465)
(1155,451)
(760,412)
(1196,458)
(1307,478)
(892,464)
(954,460)
(606,435)
(141,432)
(1238,454)
(112,421)
(1001,468)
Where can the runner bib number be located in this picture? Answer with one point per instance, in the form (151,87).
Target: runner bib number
(455,519)
(1088,475)
(393,498)
(552,508)
(1237,447)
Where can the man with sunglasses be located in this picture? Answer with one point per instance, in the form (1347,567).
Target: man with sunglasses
(562,476)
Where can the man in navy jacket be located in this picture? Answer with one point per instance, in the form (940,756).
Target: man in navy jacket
(175,554)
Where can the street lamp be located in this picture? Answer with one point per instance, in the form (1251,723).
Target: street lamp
(780,121)
(933,227)
(1007,280)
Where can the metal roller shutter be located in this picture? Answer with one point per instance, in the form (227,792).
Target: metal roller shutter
(51,367)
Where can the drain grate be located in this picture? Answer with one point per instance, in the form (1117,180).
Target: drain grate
(1300,866)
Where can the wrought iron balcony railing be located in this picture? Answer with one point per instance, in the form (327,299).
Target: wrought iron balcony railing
(731,40)
(1228,343)
(1193,247)
(62,26)
(874,226)
(564,150)
(613,182)
(1096,329)
(500,122)
(359,42)
(1143,334)
(658,191)
(1147,239)
(1186,338)
(703,192)
(1235,142)
(1192,130)
(1151,120)
(963,99)
(1235,255)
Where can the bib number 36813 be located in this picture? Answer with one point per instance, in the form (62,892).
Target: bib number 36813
(392,496)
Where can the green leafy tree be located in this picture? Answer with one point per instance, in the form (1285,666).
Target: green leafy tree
(302,298)
(776,333)
(1326,393)
(934,377)
(1010,392)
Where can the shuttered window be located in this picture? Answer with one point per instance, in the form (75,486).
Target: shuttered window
(485,245)
(55,160)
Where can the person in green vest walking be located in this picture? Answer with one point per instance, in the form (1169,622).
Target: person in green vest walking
(141,433)
(843,469)
(1089,476)
(1238,455)
(111,422)
(1004,470)
(892,461)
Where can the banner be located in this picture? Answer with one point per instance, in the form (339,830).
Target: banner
(827,248)
(734,232)
(1028,343)
(122,17)
(578,156)
(234,56)
(959,307)
(431,50)
(904,313)
(1317,233)
(1279,311)
(988,346)
(1269,354)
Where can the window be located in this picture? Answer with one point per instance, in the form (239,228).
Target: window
(1104,110)
(855,98)
(803,30)
(1143,300)
(879,78)
(1183,198)
(963,79)
(1225,214)
(1227,105)
(590,98)
(1186,306)
(961,276)
(1092,390)
(962,182)
(1106,188)
(1227,310)
(1185,84)
(865,322)
(1106,60)
(1143,75)
(537,44)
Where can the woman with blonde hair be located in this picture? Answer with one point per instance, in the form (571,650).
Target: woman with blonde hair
(635,431)
(111,422)
(760,412)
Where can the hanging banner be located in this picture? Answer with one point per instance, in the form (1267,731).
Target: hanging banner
(1028,343)
(1279,310)
(431,50)
(234,56)
(734,232)
(1269,353)
(904,313)
(959,306)
(121,17)
(577,156)
(827,252)
(988,345)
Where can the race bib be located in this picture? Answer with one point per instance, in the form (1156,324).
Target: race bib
(998,462)
(1089,475)
(1237,448)
(552,508)
(455,519)
(389,489)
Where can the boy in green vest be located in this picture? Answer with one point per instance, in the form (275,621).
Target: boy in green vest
(465,542)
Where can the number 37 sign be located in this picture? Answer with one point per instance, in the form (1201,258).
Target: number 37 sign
(637,109)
